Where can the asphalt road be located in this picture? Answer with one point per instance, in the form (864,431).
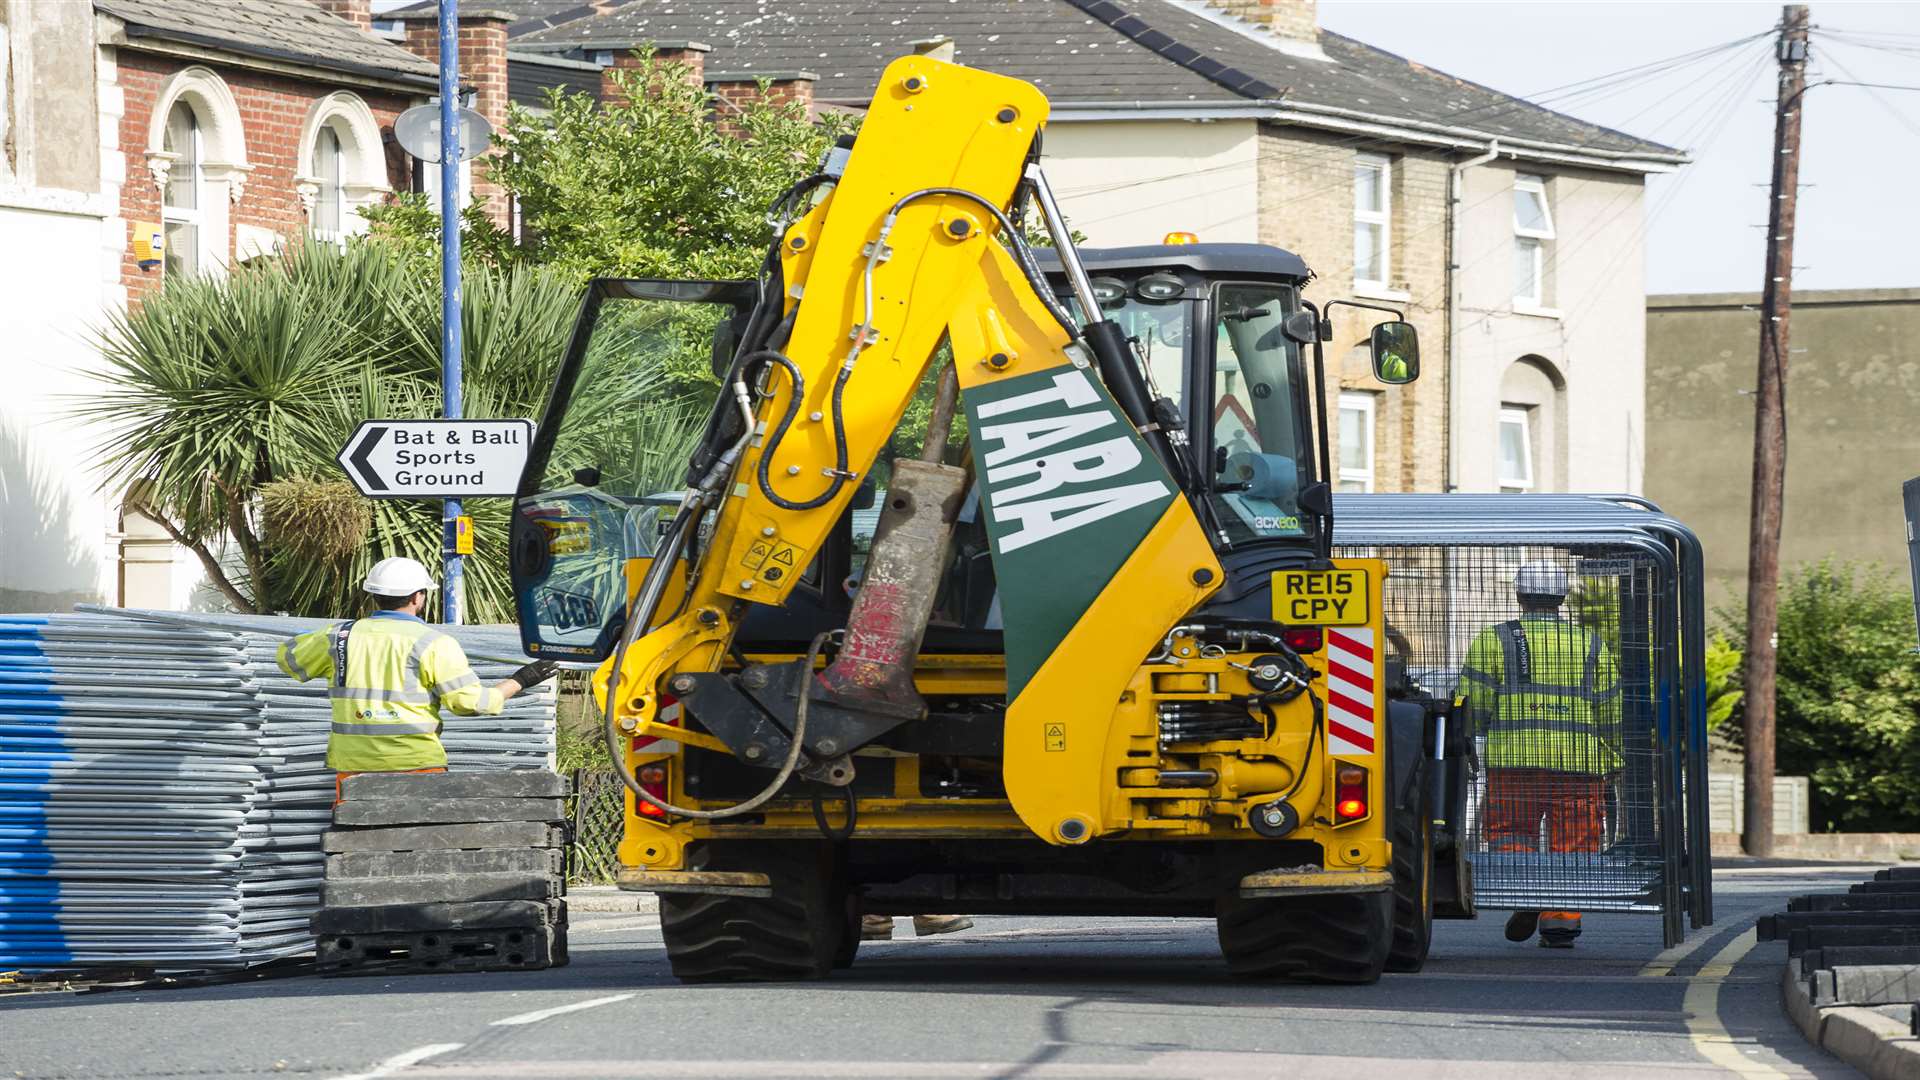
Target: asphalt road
(1013,998)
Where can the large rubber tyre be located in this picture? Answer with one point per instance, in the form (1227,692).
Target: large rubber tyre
(1323,939)
(1412,891)
(797,933)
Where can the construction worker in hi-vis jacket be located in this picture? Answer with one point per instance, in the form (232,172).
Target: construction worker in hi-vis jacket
(390,674)
(1545,694)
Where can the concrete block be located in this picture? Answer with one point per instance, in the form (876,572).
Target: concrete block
(446,811)
(415,918)
(1880,1046)
(380,891)
(514,784)
(1877,984)
(361,864)
(489,834)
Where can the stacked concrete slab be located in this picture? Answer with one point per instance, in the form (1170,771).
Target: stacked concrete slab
(1852,981)
(445,872)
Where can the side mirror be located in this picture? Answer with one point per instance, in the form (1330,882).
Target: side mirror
(1396,353)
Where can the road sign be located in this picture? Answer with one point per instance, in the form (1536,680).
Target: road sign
(418,132)
(436,459)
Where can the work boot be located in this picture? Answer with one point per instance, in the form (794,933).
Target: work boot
(1521,924)
(1558,929)
(876,927)
(929,925)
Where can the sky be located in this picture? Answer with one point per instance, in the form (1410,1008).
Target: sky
(1859,212)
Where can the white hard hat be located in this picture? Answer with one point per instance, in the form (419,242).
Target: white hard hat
(1541,579)
(399,576)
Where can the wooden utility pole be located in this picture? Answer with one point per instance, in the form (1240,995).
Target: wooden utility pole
(1770,438)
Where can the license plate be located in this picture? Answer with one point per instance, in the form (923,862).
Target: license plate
(1321,597)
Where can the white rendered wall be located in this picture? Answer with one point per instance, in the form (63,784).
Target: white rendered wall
(1591,330)
(1134,181)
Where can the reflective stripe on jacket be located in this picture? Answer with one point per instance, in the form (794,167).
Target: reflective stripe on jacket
(1546,694)
(389,676)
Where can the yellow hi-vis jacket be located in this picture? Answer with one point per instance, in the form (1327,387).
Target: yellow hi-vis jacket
(389,675)
(1546,694)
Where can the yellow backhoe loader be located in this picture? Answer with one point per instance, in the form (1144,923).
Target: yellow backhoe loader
(1094,659)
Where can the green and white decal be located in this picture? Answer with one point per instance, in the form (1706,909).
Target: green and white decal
(1070,491)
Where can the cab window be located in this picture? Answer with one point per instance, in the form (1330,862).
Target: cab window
(1259,445)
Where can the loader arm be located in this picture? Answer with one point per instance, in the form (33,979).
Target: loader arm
(1097,549)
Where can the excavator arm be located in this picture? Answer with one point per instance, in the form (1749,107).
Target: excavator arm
(1097,550)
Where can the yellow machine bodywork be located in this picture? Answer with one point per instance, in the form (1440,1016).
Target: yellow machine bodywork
(1082,750)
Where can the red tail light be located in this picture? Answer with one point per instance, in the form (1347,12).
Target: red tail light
(653,776)
(1349,793)
(1303,639)
(653,781)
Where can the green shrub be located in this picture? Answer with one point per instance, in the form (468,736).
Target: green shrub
(1848,696)
(1725,687)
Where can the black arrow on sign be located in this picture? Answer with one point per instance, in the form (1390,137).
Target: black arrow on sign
(360,462)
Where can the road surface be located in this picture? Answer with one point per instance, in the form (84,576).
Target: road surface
(1043,999)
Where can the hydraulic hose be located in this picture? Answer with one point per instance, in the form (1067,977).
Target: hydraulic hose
(799,389)
(773,787)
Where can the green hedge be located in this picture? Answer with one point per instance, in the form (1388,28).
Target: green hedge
(1848,694)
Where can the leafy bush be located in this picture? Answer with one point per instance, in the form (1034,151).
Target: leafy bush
(1724,685)
(1848,696)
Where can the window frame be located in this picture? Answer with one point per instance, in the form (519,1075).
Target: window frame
(1367,405)
(1381,218)
(337,183)
(192,161)
(1533,240)
(1523,416)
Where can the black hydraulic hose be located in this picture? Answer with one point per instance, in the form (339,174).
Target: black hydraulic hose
(798,390)
(840,834)
(773,787)
(1017,244)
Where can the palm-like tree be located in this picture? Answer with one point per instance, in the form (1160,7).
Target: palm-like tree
(223,401)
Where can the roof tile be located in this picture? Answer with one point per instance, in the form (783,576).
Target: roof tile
(284,29)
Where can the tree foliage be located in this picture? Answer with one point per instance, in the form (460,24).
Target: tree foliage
(660,180)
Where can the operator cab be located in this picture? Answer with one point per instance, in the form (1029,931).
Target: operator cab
(1207,324)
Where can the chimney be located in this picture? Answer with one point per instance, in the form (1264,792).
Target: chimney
(691,53)
(483,70)
(1294,22)
(357,12)
(732,93)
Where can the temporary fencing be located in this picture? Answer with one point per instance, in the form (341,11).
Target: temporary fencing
(1589,786)
(163,785)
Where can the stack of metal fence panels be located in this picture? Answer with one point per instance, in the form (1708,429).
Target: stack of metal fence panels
(129,757)
(163,785)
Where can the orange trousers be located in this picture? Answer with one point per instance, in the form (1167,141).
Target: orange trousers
(1519,800)
(341,778)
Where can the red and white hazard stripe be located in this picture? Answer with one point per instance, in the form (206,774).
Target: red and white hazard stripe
(1350,691)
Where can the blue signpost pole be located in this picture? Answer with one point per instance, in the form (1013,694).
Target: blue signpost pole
(450,346)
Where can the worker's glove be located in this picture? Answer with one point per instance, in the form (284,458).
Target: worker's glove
(535,673)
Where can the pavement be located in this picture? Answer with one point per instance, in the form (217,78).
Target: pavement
(1014,998)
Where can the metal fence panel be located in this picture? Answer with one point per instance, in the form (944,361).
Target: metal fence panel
(1617,787)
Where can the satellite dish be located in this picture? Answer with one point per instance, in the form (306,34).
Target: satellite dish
(418,131)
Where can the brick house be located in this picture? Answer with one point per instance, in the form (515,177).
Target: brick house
(226,127)
(1511,235)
